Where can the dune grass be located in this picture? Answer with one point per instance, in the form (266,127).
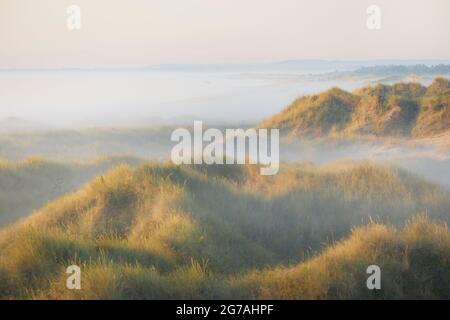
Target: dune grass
(414,264)
(399,110)
(26,185)
(165,231)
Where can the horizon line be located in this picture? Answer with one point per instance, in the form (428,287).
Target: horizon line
(222,65)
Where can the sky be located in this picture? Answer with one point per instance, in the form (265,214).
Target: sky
(133,33)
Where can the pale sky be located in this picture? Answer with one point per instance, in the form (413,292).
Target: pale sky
(33,33)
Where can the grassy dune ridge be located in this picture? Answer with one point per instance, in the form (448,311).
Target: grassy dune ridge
(415,264)
(399,110)
(165,231)
(28,184)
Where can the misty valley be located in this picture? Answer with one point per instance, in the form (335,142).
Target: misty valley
(363,180)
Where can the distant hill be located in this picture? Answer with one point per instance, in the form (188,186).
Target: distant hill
(208,232)
(418,69)
(402,109)
(299,65)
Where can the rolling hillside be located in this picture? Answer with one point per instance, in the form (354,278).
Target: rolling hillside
(400,110)
(414,263)
(164,231)
(29,184)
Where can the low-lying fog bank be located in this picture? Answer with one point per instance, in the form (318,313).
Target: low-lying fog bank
(429,158)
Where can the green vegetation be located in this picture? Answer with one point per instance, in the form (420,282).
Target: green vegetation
(165,231)
(29,184)
(403,109)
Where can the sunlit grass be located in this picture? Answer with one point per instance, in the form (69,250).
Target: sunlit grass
(165,231)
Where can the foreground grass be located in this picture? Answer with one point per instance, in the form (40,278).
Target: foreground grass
(164,231)
(29,184)
(414,262)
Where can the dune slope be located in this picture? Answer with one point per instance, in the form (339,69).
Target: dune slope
(165,231)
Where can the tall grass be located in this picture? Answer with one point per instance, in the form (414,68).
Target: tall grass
(165,231)
(399,110)
(414,264)
(28,184)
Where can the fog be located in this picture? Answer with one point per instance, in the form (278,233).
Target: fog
(81,114)
(424,158)
(74,99)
